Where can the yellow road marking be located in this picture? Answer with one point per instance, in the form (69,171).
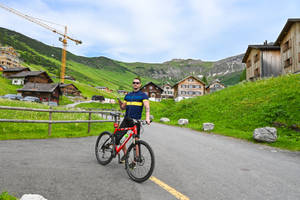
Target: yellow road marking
(171,190)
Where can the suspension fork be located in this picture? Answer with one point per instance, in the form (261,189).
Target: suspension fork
(137,148)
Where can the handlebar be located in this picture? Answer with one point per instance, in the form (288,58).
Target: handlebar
(143,122)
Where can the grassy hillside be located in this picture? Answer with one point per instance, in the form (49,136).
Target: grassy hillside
(102,71)
(236,111)
(97,71)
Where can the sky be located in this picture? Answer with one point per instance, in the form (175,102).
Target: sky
(154,31)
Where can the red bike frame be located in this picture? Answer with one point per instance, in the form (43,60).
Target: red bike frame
(134,132)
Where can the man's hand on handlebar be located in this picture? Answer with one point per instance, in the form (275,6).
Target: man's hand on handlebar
(148,121)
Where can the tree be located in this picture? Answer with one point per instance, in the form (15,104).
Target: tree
(204,80)
(243,75)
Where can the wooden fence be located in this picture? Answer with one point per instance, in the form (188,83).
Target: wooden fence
(113,115)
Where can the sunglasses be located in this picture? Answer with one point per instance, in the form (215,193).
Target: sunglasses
(136,83)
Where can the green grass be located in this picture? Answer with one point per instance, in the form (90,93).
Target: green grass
(6,87)
(6,196)
(98,105)
(236,111)
(34,131)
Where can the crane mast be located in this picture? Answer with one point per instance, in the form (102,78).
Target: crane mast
(63,40)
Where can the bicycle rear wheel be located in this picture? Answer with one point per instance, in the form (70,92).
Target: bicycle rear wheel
(139,168)
(104,148)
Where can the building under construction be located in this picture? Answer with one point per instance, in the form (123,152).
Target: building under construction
(9,58)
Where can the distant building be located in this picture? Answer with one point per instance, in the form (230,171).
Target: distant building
(214,86)
(30,76)
(262,61)
(11,71)
(9,58)
(188,87)
(153,91)
(103,88)
(168,91)
(289,42)
(70,78)
(45,91)
(122,92)
(69,89)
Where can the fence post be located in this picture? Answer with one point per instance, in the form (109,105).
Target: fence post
(89,124)
(50,124)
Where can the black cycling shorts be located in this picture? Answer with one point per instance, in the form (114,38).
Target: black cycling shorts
(126,123)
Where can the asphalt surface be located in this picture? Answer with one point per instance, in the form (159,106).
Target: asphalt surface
(198,165)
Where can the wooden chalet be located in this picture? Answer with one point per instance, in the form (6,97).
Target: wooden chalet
(262,61)
(122,92)
(47,92)
(188,87)
(12,71)
(168,91)
(289,43)
(214,86)
(30,76)
(103,88)
(69,89)
(153,91)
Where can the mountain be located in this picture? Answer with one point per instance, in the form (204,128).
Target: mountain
(97,71)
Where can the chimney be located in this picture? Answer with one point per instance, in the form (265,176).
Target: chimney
(266,42)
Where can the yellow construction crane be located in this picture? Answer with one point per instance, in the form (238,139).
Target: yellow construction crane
(63,40)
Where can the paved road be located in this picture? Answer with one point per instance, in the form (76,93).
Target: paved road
(199,165)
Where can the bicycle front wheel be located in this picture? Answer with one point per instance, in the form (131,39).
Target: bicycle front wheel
(139,162)
(104,148)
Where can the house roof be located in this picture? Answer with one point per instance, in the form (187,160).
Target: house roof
(26,73)
(101,87)
(16,69)
(153,84)
(167,84)
(39,87)
(286,29)
(187,78)
(265,47)
(65,85)
(216,81)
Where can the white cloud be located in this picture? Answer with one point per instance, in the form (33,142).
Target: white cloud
(136,30)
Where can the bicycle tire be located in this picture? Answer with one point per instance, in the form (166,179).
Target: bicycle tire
(152,164)
(108,141)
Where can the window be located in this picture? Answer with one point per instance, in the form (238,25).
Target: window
(256,58)
(190,80)
(167,88)
(287,45)
(150,87)
(194,86)
(248,64)
(288,62)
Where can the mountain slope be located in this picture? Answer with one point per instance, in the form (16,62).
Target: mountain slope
(99,71)
(47,57)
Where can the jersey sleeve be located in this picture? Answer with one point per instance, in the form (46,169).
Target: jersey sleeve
(145,97)
(126,98)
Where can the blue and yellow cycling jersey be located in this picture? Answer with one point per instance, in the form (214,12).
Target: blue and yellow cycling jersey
(134,104)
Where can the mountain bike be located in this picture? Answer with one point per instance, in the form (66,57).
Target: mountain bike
(139,159)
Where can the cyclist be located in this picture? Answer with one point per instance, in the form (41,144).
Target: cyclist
(133,103)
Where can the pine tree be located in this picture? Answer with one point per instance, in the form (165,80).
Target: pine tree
(204,80)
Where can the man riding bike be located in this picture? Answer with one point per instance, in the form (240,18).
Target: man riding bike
(133,103)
